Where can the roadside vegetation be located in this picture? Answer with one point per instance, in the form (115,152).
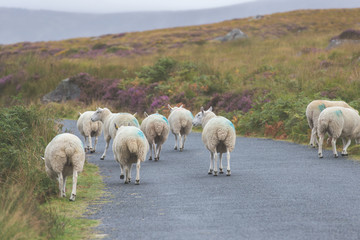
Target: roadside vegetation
(262,83)
(29,207)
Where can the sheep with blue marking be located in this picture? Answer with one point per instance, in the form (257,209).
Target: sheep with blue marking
(129,146)
(109,119)
(313,111)
(64,156)
(180,120)
(156,129)
(338,122)
(218,136)
(89,129)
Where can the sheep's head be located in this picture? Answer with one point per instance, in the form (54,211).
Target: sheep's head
(97,116)
(199,117)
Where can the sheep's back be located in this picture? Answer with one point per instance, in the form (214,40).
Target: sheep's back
(338,121)
(122,119)
(219,130)
(130,135)
(65,150)
(181,120)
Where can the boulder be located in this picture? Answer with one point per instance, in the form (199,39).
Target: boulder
(66,90)
(232,35)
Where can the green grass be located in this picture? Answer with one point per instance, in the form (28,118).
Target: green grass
(90,188)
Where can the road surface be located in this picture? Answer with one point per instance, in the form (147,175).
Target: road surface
(277,190)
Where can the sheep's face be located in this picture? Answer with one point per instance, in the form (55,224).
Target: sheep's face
(97,115)
(198,118)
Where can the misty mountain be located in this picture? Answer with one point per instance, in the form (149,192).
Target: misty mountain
(18,25)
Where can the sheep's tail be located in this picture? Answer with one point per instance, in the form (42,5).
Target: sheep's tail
(222,134)
(132,145)
(323,125)
(183,122)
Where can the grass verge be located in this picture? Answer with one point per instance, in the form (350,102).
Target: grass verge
(90,189)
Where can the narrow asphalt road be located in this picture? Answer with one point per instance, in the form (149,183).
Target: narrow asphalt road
(277,190)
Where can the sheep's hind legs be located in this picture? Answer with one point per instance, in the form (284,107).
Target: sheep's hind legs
(228,163)
(74,183)
(211,163)
(221,166)
(345,146)
(215,164)
(333,143)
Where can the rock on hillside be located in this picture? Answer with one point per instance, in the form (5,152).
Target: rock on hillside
(352,36)
(232,35)
(66,90)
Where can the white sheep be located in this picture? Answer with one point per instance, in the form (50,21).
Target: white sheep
(130,146)
(218,135)
(313,111)
(338,122)
(180,120)
(109,119)
(64,156)
(156,129)
(89,129)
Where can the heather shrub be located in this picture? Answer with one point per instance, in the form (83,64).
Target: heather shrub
(232,101)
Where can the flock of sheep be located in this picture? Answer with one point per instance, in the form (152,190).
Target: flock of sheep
(65,154)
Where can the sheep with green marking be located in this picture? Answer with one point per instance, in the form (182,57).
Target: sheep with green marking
(156,129)
(313,111)
(109,119)
(180,120)
(129,146)
(218,135)
(64,156)
(338,122)
(89,129)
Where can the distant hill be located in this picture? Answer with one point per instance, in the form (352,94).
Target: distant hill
(18,25)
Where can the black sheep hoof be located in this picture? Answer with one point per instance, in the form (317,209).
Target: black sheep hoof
(344,154)
(210,172)
(336,156)
(150,158)
(121,176)
(137,182)
(221,171)
(175,148)
(215,173)
(181,149)
(156,159)
(228,173)
(92,151)
(102,158)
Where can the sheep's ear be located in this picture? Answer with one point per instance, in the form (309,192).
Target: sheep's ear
(210,109)
(116,126)
(135,114)
(202,110)
(145,114)
(157,112)
(181,106)
(170,107)
(43,158)
(79,114)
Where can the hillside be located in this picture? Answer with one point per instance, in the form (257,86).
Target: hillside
(262,83)
(18,25)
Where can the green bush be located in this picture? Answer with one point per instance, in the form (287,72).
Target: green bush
(278,116)
(160,71)
(24,134)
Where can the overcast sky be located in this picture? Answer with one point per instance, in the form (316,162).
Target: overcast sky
(110,6)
